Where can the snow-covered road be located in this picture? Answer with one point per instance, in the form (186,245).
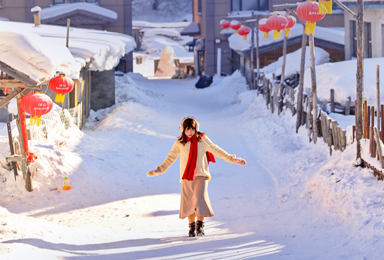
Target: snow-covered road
(281,205)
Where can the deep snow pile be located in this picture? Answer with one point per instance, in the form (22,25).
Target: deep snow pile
(292,200)
(341,76)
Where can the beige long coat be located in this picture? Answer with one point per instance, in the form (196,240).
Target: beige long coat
(203,146)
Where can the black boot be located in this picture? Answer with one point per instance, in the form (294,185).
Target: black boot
(200,228)
(192,227)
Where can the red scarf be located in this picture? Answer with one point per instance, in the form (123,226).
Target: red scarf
(189,172)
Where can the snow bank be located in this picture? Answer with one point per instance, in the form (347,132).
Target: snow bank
(236,41)
(35,56)
(341,76)
(100,50)
(292,65)
(60,9)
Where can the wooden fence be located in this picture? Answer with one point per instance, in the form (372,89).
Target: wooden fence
(279,97)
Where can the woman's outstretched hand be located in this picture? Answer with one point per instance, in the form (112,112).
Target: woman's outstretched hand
(238,161)
(153,173)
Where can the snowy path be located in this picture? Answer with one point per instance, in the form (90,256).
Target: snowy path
(114,211)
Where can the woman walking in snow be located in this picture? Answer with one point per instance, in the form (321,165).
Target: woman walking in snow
(196,150)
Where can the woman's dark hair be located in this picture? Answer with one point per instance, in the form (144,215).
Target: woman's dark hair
(187,124)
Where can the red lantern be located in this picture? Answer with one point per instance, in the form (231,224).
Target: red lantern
(235,25)
(263,27)
(325,6)
(277,23)
(5,91)
(61,85)
(291,22)
(244,31)
(36,104)
(309,12)
(225,24)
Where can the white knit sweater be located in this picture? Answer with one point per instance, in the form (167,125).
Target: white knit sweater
(203,146)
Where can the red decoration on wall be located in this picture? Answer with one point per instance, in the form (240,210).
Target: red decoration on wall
(277,23)
(235,25)
(61,85)
(244,31)
(263,27)
(36,104)
(291,22)
(225,24)
(309,12)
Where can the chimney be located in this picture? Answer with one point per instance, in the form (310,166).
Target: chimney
(36,15)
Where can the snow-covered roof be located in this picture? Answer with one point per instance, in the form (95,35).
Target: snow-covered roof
(60,9)
(292,65)
(144,24)
(365,1)
(236,41)
(39,52)
(161,31)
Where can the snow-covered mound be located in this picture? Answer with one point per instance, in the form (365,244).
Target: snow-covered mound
(341,76)
(292,65)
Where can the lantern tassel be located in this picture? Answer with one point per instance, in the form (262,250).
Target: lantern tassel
(236,31)
(244,37)
(266,35)
(226,29)
(325,7)
(310,28)
(276,34)
(287,32)
(35,120)
(59,98)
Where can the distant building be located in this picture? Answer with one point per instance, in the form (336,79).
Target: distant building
(206,28)
(114,16)
(373,29)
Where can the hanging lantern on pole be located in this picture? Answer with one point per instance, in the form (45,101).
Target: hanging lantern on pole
(61,85)
(264,28)
(235,25)
(291,22)
(277,23)
(309,12)
(225,24)
(244,31)
(36,104)
(325,7)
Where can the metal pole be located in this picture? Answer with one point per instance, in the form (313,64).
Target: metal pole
(219,62)
(68,24)
(378,95)
(252,53)
(257,51)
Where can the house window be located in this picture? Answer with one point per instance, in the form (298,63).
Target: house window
(353,39)
(367,39)
(382,40)
(249,5)
(73,1)
(199,7)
